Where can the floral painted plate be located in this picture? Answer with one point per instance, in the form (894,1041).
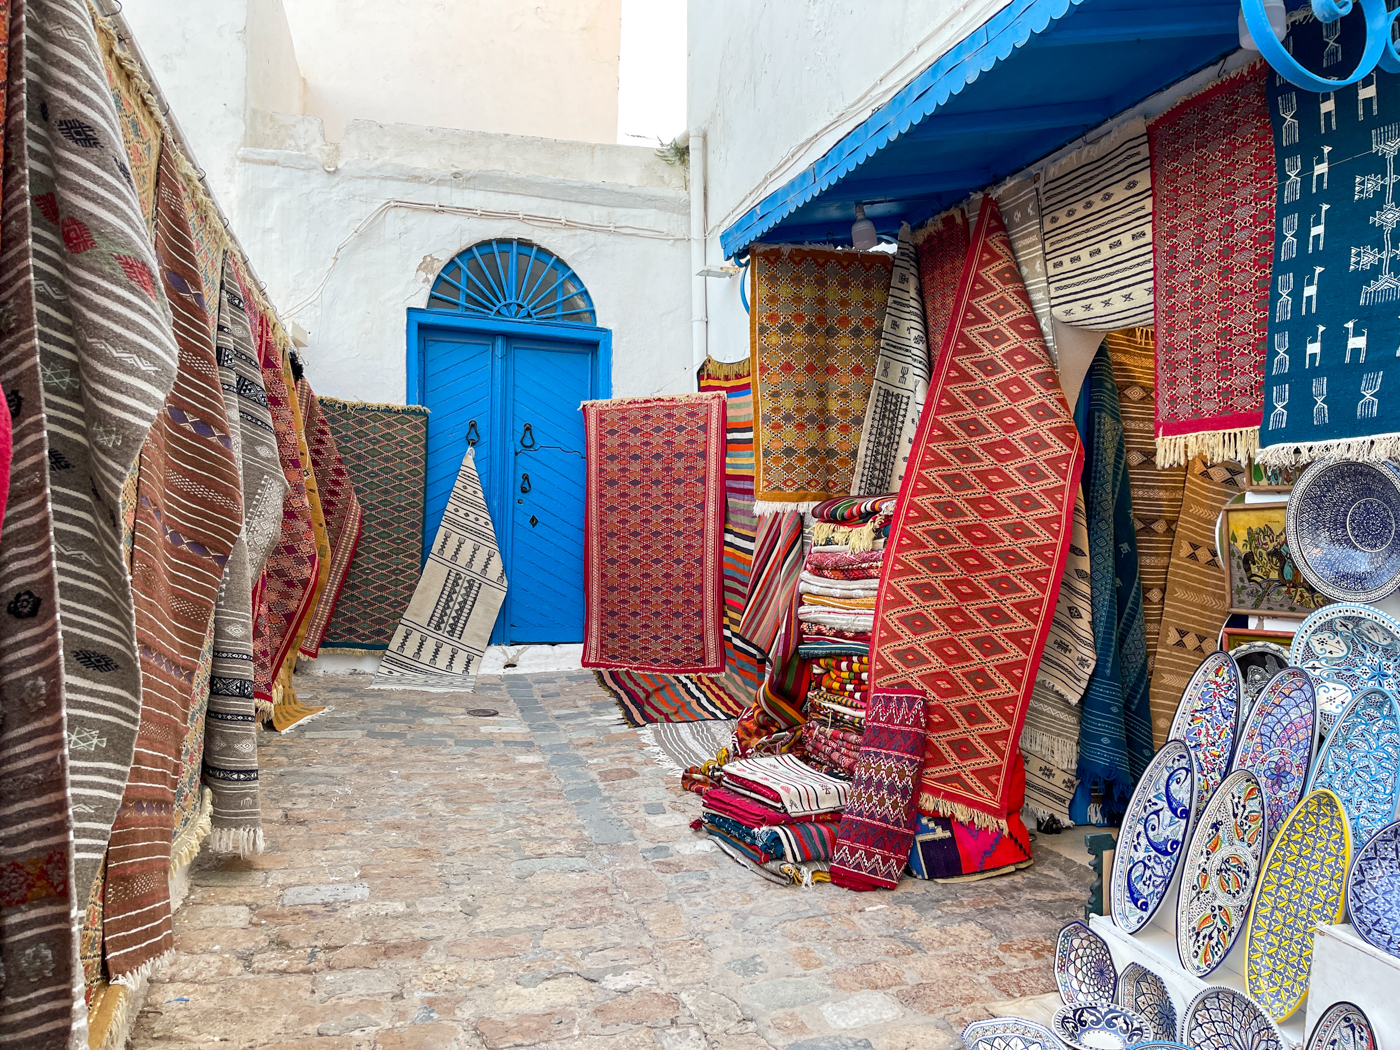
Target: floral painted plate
(1142,991)
(1219,872)
(1343,527)
(1347,649)
(1276,743)
(1342,1027)
(1154,829)
(1373,891)
(1084,969)
(1360,762)
(1205,720)
(1009,1033)
(1300,888)
(1224,1019)
(1100,1027)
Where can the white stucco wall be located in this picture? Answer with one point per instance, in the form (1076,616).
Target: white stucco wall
(301,200)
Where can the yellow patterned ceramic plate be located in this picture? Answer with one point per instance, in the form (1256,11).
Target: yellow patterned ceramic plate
(1301,887)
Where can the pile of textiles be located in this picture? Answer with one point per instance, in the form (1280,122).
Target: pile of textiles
(776,812)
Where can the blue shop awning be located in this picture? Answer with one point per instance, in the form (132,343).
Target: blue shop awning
(1035,76)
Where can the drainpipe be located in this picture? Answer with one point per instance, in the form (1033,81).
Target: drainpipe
(699,305)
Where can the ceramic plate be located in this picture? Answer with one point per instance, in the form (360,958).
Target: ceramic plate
(1160,1044)
(1100,1027)
(1224,1019)
(1154,829)
(1084,969)
(1343,528)
(1342,1027)
(1205,719)
(1009,1033)
(1142,991)
(1276,743)
(1300,888)
(1360,760)
(1219,872)
(1258,662)
(1374,890)
(1347,649)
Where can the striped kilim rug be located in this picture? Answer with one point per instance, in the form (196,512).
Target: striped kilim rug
(1020,208)
(385,450)
(682,745)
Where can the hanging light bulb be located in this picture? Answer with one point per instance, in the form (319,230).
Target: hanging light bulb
(863,235)
(1277,14)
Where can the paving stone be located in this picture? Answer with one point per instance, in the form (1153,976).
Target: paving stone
(332,894)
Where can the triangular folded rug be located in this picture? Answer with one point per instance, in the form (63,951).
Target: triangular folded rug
(979,539)
(444,631)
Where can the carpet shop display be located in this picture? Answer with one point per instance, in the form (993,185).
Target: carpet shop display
(942,248)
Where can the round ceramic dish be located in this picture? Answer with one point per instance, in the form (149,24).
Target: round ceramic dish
(1154,829)
(1142,991)
(1084,970)
(1219,872)
(1347,649)
(1373,890)
(1343,1026)
(1258,662)
(1224,1019)
(1276,743)
(1100,1027)
(1359,761)
(1009,1033)
(1206,720)
(1343,527)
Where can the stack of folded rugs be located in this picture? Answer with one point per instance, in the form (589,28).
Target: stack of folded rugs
(774,812)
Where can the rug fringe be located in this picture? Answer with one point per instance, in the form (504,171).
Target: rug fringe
(1057,750)
(1249,68)
(262,710)
(764,506)
(186,848)
(721,370)
(856,539)
(667,399)
(1372,449)
(246,842)
(130,1000)
(373,406)
(302,721)
(1058,689)
(1213,446)
(934,224)
(652,750)
(941,807)
(132,979)
(1132,128)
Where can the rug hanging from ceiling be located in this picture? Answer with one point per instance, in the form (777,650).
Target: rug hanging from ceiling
(979,540)
(189,514)
(140,131)
(777,567)
(877,825)
(1115,734)
(1212,180)
(652,569)
(107,359)
(385,449)
(1096,224)
(193,801)
(341,510)
(1156,491)
(1050,747)
(1069,656)
(1322,395)
(1195,606)
(900,381)
(942,248)
(34,819)
(1019,202)
(444,631)
(815,325)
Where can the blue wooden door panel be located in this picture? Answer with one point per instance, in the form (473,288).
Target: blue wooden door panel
(458,387)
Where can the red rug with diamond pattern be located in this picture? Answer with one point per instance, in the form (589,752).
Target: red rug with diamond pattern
(654,534)
(979,539)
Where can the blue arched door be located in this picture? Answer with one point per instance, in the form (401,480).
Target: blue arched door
(502,356)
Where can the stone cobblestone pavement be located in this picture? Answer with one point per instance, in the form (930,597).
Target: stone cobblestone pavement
(435,879)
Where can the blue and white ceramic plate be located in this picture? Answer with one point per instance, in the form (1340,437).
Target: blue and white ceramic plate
(1206,720)
(1373,890)
(1276,743)
(1224,1019)
(1347,649)
(1361,763)
(1343,527)
(1160,1044)
(1084,969)
(1142,991)
(1100,1027)
(1343,1026)
(1009,1033)
(1154,830)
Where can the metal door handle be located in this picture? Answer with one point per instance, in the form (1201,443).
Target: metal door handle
(524,482)
(528,432)
(473,435)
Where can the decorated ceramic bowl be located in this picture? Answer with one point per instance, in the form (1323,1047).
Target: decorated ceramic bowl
(1142,991)
(1009,1033)
(1084,969)
(1343,529)
(1342,1026)
(1373,890)
(1223,1019)
(1100,1027)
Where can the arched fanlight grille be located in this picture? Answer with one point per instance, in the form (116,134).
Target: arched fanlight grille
(513,279)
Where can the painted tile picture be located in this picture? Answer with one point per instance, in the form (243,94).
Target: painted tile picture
(1262,577)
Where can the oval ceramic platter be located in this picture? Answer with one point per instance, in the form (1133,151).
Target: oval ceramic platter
(1154,829)
(1361,762)
(1142,991)
(1009,1033)
(1301,887)
(1206,720)
(1373,890)
(1224,1019)
(1099,1027)
(1276,743)
(1347,649)
(1219,872)
(1342,1026)
(1084,970)
(1343,528)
